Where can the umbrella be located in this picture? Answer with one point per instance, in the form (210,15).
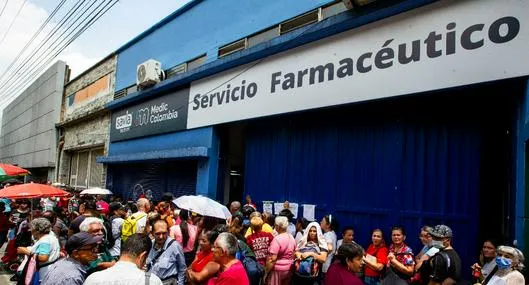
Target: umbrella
(31,190)
(8,171)
(203,206)
(96,191)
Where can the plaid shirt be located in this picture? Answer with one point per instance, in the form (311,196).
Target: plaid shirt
(404,255)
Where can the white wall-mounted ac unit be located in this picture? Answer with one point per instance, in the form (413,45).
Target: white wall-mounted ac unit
(149,73)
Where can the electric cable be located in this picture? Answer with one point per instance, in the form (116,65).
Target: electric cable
(20,74)
(3,8)
(34,36)
(41,66)
(12,22)
(35,51)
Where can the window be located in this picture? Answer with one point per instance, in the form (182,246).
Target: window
(84,171)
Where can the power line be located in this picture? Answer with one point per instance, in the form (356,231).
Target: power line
(22,80)
(12,22)
(3,8)
(33,37)
(15,76)
(41,45)
(40,66)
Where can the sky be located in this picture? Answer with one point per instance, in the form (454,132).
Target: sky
(124,21)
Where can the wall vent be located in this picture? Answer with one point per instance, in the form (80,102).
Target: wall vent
(300,21)
(233,47)
(175,70)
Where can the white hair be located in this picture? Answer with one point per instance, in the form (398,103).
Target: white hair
(85,225)
(228,243)
(518,258)
(282,222)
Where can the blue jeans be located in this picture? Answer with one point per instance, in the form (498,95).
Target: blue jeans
(371,280)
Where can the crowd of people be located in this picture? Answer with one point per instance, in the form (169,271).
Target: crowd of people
(88,240)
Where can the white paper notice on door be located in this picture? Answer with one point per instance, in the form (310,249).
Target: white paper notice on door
(308,211)
(268,207)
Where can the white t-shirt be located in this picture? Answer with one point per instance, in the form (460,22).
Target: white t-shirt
(330,237)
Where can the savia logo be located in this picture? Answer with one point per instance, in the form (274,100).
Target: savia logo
(124,121)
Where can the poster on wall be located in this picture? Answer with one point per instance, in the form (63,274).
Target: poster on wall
(440,45)
(166,113)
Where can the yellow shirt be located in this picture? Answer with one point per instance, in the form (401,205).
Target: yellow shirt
(266,228)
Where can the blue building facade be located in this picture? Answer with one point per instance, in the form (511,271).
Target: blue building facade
(394,113)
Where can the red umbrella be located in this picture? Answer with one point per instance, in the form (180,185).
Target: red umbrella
(9,170)
(32,190)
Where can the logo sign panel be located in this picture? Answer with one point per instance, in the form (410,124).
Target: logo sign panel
(167,113)
(446,44)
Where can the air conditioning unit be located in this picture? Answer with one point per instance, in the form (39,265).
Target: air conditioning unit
(149,73)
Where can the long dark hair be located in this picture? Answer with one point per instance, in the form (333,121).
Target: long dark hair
(184,217)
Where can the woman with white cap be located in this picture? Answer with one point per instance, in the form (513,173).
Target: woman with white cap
(509,262)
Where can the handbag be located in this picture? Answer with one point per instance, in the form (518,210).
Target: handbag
(30,272)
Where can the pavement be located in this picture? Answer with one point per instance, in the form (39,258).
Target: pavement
(5,275)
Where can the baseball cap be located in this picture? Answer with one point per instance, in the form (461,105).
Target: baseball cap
(103,207)
(441,231)
(81,239)
(115,206)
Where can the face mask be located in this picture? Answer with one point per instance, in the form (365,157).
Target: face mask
(503,263)
(437,244)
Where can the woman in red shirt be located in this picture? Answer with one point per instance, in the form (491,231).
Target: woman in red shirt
(346,264)
(203,267)
(376,258)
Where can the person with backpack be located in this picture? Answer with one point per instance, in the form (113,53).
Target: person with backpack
(232,270)
(311,253)
(166,258)
(136,222)
(117,218)
(254,270)
(445,266)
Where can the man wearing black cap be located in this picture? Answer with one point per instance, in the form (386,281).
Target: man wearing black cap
(118,214)
(82,248)
(445,266)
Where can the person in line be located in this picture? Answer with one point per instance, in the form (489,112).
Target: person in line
(232,271)
(509,261)
(90,210)
(81,248)
(328,225)
(265,227)
(291,226)
(259,241)
(312,245)
(203,267)
(445,266)
(400,266)
(487,261)
(46,247)
(301,224)
(281,250)
(348,235)
(185,233)
(144,206)
(235,207)
(166,258)
(347,263)
(427,250)
(118,216)
(128,269)
(376,258)
(95,227)
(4,224)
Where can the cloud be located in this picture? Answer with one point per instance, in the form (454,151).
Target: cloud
(78,62)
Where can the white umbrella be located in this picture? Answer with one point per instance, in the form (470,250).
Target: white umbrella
(96,191)
(203,206)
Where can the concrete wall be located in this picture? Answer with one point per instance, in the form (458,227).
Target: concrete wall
(28,135)
(84,120)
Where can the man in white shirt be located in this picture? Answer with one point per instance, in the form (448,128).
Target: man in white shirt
(127,271)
